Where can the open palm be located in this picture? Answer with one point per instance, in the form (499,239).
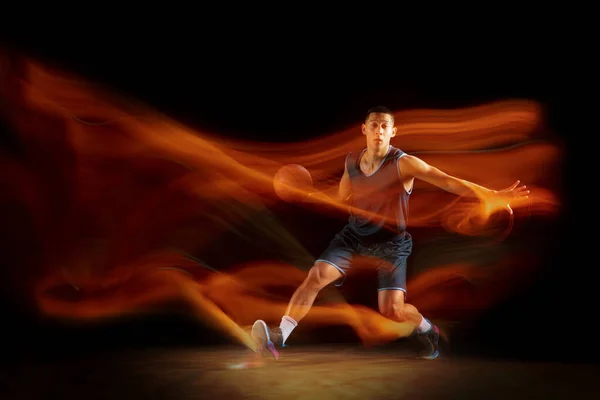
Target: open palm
(512,193)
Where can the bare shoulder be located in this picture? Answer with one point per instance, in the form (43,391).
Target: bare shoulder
(412,166)
(409,161)
(407,158)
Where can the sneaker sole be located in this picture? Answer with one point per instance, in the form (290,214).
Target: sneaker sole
(260,333)
(435,355)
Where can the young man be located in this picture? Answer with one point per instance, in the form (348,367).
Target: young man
(377,182)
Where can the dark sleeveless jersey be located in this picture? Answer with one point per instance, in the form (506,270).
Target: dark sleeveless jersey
(379,202)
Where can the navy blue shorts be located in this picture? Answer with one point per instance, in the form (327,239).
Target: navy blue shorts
(392,257)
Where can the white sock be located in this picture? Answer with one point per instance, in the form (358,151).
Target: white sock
(287,325)
(424,326)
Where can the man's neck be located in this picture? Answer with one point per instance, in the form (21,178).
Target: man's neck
(374,156)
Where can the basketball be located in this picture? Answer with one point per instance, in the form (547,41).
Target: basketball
(292,183)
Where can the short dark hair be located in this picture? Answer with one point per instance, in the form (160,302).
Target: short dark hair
(379,110)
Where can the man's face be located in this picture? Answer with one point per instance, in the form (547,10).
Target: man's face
(379,129)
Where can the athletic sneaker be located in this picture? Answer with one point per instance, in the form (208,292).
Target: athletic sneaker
(430,339)
(267,338)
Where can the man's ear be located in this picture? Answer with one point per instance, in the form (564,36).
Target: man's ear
(394,131)
(363,127)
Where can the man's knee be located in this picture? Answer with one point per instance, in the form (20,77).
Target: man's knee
(320,275)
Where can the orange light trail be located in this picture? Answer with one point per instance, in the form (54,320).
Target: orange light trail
(117,194)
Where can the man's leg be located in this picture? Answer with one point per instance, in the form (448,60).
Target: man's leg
(319,276)
(392,305)
(330,267)
(392,292)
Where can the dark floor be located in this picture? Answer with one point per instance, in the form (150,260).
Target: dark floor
(307,372)
(173,356)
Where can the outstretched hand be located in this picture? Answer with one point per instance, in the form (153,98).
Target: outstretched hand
(512,193)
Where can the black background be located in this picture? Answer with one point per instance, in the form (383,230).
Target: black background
(260,88)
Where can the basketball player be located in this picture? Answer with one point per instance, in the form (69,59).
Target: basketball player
(379,180)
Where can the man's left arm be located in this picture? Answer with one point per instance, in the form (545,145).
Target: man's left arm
(412,166)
